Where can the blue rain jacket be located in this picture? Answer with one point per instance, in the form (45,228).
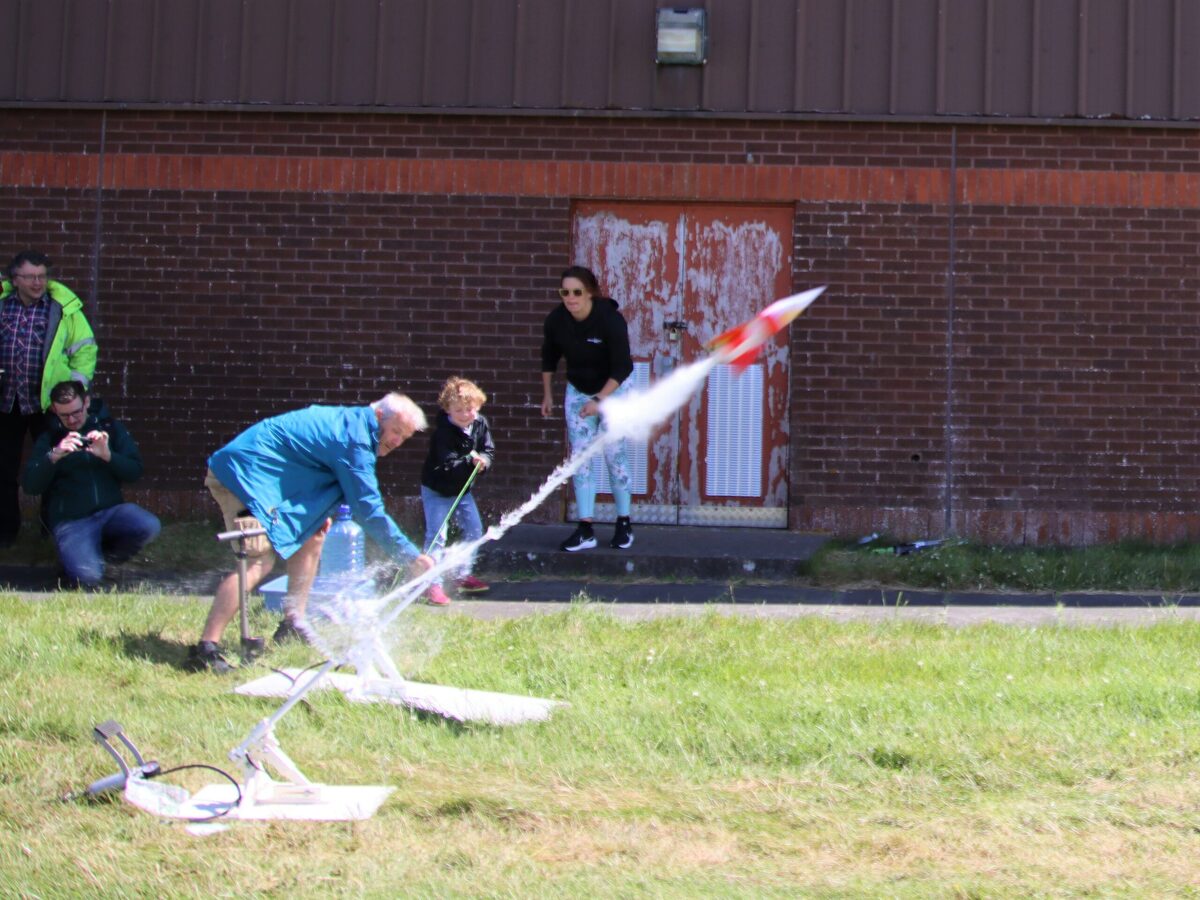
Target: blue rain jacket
(293,470)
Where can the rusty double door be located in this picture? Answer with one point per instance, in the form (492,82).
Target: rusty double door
(682,275)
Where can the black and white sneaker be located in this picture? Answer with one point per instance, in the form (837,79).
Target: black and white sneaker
(287,631)
(582,538)
(622,538)
(207,656)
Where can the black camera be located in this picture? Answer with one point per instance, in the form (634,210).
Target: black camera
(85,441)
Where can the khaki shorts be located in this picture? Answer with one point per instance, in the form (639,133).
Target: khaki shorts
(238,518)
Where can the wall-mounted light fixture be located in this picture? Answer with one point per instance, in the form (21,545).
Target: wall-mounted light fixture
(682,37)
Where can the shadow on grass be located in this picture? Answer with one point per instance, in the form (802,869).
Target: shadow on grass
(149,646)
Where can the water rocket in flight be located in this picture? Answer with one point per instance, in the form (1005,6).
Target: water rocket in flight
(741,344)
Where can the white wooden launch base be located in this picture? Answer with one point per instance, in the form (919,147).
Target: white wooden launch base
(459,704)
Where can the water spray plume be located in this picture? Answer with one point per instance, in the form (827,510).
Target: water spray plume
(352,629)
(636,414)
(632,416)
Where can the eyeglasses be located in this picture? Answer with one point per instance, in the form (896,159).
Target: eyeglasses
(567,292)
(42,276)
(68,415)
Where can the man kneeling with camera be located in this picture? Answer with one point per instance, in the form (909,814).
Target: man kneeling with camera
(80,463)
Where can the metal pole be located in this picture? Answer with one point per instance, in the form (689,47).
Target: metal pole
(252,647)
(243,615)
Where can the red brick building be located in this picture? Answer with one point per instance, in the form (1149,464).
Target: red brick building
(307,201)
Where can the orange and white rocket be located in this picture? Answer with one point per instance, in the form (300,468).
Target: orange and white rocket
(740,345)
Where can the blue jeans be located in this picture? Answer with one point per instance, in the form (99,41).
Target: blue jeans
(113,535)
(466,517)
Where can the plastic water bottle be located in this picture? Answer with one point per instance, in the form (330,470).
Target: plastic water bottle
(344,555)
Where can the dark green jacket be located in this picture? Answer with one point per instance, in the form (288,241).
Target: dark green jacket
(80,484)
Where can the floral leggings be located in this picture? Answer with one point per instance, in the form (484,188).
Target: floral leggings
(580,433)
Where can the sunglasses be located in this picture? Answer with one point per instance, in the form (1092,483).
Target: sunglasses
(567,292)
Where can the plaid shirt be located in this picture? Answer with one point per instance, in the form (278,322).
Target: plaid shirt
(22,338)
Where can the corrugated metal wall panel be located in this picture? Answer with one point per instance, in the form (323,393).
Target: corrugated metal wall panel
(37,75)
(912,67)
(135,20)
(355,27)
(1105,57)
(822,43)
(585,82)
(772,56)
(1057,60)
(264,57)
(1008,76)
(868,55)
(1186,57)
(173,67)
(963,55)
(218,72)
(727,74)
(400,60)
(491,60)
(9,55)
(631,39)
(541,54)
(81,57)
(1129,59)
(1150,89)
(312,38)
(447,48)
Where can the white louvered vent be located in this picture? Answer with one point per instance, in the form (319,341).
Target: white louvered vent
(735,425)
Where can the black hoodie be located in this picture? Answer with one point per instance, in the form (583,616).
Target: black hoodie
(596,349)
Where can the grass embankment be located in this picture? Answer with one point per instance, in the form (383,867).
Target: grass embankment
(969,567)
(188,549)
(698,757)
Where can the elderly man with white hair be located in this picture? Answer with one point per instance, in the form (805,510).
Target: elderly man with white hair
(288,474)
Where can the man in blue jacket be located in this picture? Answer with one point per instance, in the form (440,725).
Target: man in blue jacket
(288,475)
(80,463)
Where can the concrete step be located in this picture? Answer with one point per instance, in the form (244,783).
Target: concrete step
(662,552)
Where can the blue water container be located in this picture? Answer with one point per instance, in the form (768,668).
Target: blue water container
(344,555)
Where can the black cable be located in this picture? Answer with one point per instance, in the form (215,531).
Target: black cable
(76,795)
(237,787)
(293,680)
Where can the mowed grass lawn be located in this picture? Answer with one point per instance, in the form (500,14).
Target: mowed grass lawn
(709,756)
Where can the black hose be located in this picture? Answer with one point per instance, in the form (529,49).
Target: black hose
(237,787)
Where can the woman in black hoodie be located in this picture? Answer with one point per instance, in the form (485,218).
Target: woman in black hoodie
(587,329)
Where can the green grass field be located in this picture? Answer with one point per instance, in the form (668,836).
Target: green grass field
(710,756)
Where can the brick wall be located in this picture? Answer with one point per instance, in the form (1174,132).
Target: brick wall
(1009,341)
(247,304)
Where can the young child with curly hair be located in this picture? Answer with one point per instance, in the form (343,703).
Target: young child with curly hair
(460,444)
